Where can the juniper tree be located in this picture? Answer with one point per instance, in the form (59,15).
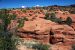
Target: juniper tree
(6,43)
(68,21)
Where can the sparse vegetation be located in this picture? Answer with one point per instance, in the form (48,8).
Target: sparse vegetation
(47,16)
(53,18)
(6,42)
(33,44)
(8,39)
(12,17)
(21,22)
(24,11)
(40,47)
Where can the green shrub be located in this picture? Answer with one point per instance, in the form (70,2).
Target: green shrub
(6,42)
(58,20)
(40,47)
(24,11)
(25,19)
(68,21)
(53,15)
(12,17)
(21,21)
(47,16)
(1,28)
(53,18)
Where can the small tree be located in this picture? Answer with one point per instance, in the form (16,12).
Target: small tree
(53,15)
(12,17)
(6,43)
(47,16)
(53,18)
(50,16)
(68,21)
(21,21)
(6,40)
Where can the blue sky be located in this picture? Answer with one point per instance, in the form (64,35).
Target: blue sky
(30,3)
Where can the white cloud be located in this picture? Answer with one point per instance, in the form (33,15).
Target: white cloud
(37,6)
(23,6)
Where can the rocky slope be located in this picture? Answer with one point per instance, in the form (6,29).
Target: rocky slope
(45,31)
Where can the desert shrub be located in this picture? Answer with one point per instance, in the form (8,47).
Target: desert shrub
(73,47)
(50,16)
(33,8)
(1,28)
(21,21)
(53,15)
(47,16)
(51,9)
(25,19)
(53,18)
(24,10)
(58,20)
(12,17)
(26,43)
(6,42)
(40,47)
(30,43)
(68,21)
(28,8)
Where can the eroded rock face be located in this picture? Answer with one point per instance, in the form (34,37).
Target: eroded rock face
(45,31)
(64,34)
(37,29)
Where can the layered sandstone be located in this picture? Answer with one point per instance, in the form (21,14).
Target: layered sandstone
(45,31)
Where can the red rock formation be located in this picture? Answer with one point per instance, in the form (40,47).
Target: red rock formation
(62,33)
(38,29)
(45,31)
